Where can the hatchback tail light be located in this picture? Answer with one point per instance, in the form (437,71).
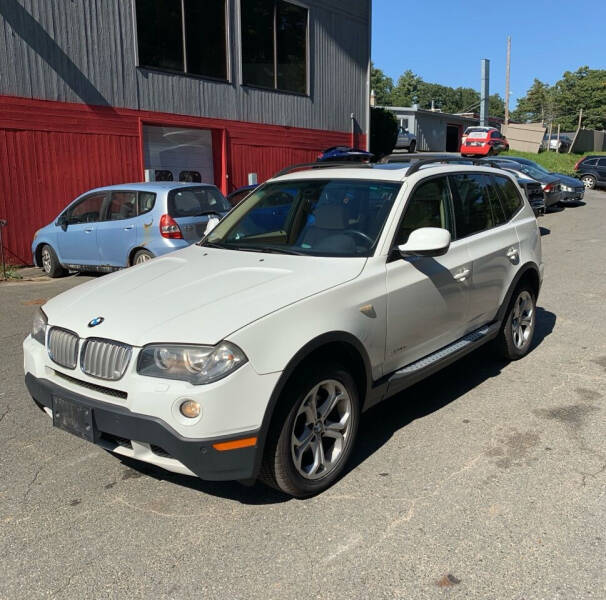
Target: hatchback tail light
(576,166)
(548,188)
(169,228)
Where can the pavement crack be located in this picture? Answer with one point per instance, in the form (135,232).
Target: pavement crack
(32,482)
(4,414)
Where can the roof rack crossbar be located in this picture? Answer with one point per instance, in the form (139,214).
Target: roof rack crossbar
(416,166)
(324,165)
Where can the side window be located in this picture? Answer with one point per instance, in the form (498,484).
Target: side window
(510,197)
(88,210)
(428,207)
(592,162)
(495,135)
(471,204)
(123,205)
(146,202)
(602,162)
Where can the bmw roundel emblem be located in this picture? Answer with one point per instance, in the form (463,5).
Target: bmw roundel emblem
(96,321)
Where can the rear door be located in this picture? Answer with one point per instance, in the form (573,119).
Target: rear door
(116,234)
(491,239)
(601,169)
(77,242)
(192,207)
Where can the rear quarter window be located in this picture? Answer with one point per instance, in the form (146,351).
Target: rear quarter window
(591,162)
(511,200)
(196,201)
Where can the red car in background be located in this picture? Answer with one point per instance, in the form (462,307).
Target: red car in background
(483,141)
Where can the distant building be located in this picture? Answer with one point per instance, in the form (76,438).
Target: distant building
(96,92)
(436,131)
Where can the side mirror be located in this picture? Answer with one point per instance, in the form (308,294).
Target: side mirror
(62,222)
(426,241)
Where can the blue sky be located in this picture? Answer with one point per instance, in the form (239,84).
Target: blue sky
(444,40)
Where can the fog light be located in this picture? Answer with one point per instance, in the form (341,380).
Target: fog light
(190,409)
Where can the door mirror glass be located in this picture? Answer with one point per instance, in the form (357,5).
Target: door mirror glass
(426,241)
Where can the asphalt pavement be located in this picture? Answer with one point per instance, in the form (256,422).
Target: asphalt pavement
(486,481)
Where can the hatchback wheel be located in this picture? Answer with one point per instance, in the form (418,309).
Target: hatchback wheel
(518,328)
(142,256)
(412,147)
(313,432)
(50,263)
(589,181)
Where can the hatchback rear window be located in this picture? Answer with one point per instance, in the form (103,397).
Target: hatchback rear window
(196,201)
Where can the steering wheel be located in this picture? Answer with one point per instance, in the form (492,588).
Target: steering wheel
(360,235)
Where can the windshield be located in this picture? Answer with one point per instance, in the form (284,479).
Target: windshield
(532,171)
(196,201)
(327,217)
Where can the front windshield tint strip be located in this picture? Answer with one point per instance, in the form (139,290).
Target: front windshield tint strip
(316,217)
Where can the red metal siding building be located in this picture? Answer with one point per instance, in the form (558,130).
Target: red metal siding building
(56,142)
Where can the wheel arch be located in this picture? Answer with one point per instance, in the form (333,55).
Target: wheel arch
(131,254)
(334,345)
(528,273)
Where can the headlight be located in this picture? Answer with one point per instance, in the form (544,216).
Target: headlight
(39,326)
(196,364)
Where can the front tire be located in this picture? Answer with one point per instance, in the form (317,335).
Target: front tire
(50,263)
(517,332)
(313,432)
(589,181)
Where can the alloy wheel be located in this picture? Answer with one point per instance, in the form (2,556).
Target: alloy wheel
(46,260)
(321,430)
(588,182)
(522,322)
(142,258)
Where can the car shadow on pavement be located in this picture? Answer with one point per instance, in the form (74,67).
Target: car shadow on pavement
(434,393)
(544,231)
(575,204)
(377,425)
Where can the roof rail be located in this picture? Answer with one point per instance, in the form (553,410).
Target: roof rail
(324,165)
(416,166)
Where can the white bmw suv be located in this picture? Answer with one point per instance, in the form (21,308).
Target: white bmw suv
(254,353)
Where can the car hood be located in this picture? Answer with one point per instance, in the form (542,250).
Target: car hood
(195,295)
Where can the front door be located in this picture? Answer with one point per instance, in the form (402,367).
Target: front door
(77,241)
(426,296)
(601,169)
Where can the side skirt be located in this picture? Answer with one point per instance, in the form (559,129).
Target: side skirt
(414,372)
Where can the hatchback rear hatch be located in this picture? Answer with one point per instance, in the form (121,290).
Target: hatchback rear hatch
(191,207)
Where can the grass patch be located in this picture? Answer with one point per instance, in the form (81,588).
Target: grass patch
(552,161)
(12,272)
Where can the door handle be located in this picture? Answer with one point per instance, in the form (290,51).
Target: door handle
(88,230)
(512,254)
(129,228)
(462,275)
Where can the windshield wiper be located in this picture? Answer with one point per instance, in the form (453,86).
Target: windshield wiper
(280,251)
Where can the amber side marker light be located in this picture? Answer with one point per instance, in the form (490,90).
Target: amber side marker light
(235,444)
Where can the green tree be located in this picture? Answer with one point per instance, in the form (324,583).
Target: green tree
(584,88)
(536,105)
(383,131)
(496,106)
(406,91)
(382,86)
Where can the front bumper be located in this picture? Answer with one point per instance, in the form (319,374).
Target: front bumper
(148,438)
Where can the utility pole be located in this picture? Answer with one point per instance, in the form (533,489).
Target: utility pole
(507,80)
(549,136)
(484,91)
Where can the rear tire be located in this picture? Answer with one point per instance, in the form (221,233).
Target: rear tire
(517,331)
(142,256)
(313,431)
(589,181)
(412,147)
(50,263)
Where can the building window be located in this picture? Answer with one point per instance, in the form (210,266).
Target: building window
(274,45)
(183,35)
